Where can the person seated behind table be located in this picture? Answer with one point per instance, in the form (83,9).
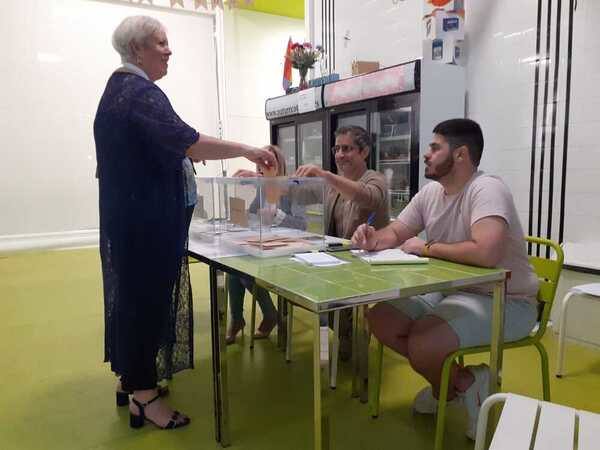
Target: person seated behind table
(281,214)
(351,197)
(469,218)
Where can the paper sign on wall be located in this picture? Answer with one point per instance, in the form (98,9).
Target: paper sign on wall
(237,209)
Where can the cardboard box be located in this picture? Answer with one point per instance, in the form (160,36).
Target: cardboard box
(359,67)
(443,24)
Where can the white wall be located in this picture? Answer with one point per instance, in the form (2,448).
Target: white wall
(388,31)
(582,215)
(255,45)
(582,218)
(60,57)
(55,70)
(500,78)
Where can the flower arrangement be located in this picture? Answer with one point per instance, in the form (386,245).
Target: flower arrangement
(303,57)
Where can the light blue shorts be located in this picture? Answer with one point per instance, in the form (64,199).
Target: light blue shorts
(470,315)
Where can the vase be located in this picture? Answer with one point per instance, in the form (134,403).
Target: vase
(303,83)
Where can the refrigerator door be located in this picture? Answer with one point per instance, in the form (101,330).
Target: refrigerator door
(393,133)
(310,140)
(354,118)
(351,116)
(286,140)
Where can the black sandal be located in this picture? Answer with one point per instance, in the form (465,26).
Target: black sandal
(137,421)
(123,396)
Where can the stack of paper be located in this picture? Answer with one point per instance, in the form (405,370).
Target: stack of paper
(319,259)
(389,256)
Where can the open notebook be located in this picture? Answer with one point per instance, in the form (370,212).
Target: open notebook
(389,256)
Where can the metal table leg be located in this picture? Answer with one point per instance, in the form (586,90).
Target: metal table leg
(496,352)
(282,316)
(218,315)
(321,381)
(335,352)
(497,340)
(362,349)
(290,323)
(355,354)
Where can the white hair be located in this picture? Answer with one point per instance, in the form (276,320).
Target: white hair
(134,30)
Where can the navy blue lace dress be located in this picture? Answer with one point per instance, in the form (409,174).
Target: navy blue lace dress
(140,144)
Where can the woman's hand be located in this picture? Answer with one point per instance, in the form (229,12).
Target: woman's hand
(267,214)
(364,237)
(414,245)
(310,170)
(262,157)
(245,173)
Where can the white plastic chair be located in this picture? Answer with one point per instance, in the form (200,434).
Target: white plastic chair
(592,291)
(528,423)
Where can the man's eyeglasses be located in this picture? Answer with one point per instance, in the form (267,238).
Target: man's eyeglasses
(345,149)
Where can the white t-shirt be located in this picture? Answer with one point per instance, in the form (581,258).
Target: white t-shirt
(448,219)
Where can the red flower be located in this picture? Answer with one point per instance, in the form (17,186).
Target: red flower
(303,56)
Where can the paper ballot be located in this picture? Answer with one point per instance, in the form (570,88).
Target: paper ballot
(389,256)
(319,259)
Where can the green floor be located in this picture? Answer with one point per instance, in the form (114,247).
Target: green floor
(55,393)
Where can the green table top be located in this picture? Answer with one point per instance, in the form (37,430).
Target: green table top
(322,289)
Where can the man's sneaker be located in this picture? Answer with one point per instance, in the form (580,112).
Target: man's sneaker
(426,403)
(475,395)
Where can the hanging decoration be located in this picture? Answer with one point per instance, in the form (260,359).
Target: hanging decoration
(194,5)
(235,3)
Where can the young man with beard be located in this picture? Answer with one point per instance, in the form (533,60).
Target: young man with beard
(470,218)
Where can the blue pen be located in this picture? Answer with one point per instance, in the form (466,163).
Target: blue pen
(371,219)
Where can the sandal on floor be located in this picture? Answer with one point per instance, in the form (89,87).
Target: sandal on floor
(265,328)
(137,421)
(123,396)
(235,328)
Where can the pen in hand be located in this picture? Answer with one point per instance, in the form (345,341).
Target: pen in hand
(369,223)
(371,219)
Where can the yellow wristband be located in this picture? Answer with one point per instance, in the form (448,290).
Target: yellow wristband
(427,247)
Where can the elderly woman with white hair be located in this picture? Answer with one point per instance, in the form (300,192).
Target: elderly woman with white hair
(141,149)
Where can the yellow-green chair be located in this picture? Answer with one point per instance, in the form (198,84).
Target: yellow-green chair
(548,272)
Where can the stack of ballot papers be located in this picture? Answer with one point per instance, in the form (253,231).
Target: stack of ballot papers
(389,256)
(318,259)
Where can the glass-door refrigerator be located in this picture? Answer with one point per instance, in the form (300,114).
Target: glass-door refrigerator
(310,140)
(284,135)
(392,123)
(395,146)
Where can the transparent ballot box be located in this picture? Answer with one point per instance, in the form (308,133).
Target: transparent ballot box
(261,216)
(205,219)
